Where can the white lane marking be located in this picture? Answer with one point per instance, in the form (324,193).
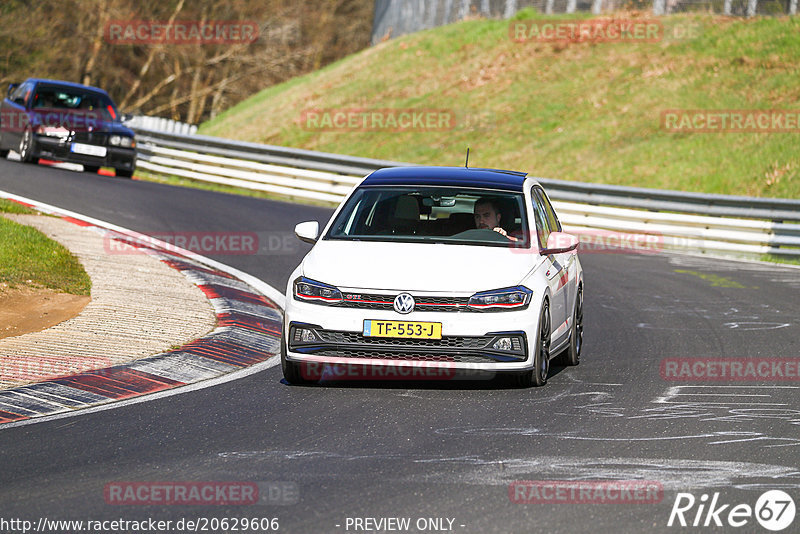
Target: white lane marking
(733,326)
(673,473)
(755,325)
(720,391)
(266,289)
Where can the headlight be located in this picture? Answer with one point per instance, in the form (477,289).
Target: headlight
(512,298)
(121,140)
(312,291)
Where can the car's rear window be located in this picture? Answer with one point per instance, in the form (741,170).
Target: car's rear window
(433,214)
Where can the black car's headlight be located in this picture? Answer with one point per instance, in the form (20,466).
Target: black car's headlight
(313,291)
(121,140)
(510,298)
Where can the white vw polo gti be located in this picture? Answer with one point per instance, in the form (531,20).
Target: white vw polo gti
(446,268)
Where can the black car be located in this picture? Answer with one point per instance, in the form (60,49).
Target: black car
(67,122)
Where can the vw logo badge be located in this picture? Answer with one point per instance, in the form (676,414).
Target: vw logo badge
(404,303)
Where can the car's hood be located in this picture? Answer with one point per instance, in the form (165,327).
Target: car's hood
(417,267)
(79,121)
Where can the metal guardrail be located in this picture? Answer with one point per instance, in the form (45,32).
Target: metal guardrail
(160,124)
(684,221)
(292,157)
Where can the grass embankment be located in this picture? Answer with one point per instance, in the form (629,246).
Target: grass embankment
(28,258)
(577,111)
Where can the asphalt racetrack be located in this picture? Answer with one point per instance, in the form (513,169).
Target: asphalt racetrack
(443,455)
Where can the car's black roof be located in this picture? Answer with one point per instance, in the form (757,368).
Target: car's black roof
(448,176)
(65,84)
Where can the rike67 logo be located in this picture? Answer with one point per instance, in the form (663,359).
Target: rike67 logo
(774,510)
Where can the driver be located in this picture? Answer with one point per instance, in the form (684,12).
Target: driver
(487,216)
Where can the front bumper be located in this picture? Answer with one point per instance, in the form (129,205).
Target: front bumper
(466,344)
(57,149)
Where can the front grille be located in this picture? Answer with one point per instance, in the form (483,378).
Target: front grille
(91,138)
(330,336)
(473,349)
(370,301)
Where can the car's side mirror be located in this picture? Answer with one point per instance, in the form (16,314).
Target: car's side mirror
(559,242)
(11,88)
(307,232)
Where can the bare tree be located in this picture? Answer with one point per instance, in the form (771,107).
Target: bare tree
(66,39)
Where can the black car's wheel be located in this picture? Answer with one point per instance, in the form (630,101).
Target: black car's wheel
(3,151)
(541,361)
(27,147)
(572,356)
(122,173)
(292,371)
(91,168)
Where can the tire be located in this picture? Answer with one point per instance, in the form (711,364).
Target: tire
(91,168)
(291,370)
(541,360)
(3,151)
(27,147)
(122,173)
(572,356)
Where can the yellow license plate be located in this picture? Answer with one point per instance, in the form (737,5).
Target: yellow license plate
(406,329)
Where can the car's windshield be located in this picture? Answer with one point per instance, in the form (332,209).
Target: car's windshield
(58,97)
(433,215)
